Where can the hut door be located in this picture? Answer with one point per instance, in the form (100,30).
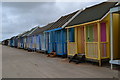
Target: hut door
(103,32)
(91,41)
(81,40)
(72,46)
(89,34)
(103,40)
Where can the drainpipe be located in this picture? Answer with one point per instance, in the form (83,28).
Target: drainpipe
(111,37)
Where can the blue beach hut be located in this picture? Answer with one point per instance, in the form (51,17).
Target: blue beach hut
(20,41)
(25,39)
(33,38)
(12,41)
(40,38)
(56,36)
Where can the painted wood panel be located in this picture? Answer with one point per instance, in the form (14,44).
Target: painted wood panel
(46,41)
(38,46)
(116,25)
(89,33)
(103,47)
(95,33)
(81,40)
(103,32)
(72,35)
(92,50)
(60,42)
(72,48)
(42,40)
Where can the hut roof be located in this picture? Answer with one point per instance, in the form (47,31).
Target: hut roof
(48,26)
(42,29)
(25,34)
(62,20)
(92,13)
(20,35)
(13,37)
(33,31)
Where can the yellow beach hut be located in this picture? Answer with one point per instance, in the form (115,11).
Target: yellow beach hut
(88,33)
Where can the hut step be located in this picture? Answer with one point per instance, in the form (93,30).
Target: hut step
(78,58)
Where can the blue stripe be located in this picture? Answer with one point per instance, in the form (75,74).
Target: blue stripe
(54,29)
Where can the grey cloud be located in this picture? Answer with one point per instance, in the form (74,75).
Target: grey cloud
(18,17)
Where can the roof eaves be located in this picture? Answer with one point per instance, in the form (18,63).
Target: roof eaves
(72,18)
(104,15)
(27,32)
(32,31)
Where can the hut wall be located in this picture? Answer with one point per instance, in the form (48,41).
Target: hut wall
(97,40)
(56,41)
(61,42)
(42,42)
(91,41)
(80,39)
(30,42)
(116,25)
(51,42)
(71,41)
(46,41)
(38,46)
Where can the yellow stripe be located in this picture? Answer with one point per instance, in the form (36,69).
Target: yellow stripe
(83,24)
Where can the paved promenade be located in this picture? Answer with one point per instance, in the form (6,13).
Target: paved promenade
(18,63)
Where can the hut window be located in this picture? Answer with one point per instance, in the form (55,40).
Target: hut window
(72,35)
(103,32)
(91,33)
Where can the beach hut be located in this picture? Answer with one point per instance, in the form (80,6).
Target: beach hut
(8,42)
(25,39)
(40,38)
(114,30)
(5,42)
(20,40)
(12,41)
(88,33)
(32,38)
(36,38)
(56,36)
(15,41)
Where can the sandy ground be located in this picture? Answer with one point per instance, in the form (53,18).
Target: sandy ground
(18,63)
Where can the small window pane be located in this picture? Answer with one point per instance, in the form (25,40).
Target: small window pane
(71,35)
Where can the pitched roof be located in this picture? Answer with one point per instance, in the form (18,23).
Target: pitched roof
(62,20)
(34,31)
(93,13)
(25,34)
(12,37)
(20,35)
(47,27)
(40,29)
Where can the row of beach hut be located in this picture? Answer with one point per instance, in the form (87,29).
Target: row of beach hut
(92,32)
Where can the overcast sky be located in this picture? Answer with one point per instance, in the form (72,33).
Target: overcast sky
(18,17)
